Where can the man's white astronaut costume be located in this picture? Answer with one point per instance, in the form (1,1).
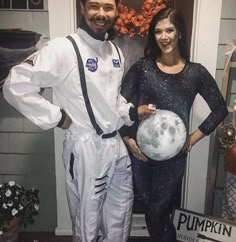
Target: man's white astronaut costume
(98,172)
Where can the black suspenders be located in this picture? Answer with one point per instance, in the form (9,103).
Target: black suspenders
(84,87)
(117,51)
(99,131)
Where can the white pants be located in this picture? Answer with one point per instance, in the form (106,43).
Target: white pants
(99,187)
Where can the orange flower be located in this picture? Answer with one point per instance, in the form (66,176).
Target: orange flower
(124,30)
(119,21)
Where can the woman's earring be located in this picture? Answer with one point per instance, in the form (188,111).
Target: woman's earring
(180,36)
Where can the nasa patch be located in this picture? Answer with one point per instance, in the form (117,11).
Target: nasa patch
(116,63)
(92,64)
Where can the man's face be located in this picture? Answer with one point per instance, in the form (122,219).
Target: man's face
(99,14)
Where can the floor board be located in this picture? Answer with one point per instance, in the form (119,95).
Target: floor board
(50,237)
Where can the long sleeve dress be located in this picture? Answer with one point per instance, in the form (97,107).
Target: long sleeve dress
(159,183)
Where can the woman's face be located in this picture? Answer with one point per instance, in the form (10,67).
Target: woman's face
(167,37)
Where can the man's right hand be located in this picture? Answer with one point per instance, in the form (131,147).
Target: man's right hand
(67,123)
(144,112)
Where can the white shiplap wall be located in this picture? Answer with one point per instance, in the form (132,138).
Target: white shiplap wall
(227,33)
(27,152)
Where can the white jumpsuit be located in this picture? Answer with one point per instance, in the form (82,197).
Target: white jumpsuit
(98,173)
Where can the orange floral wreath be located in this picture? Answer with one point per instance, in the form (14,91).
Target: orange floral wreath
(132,23)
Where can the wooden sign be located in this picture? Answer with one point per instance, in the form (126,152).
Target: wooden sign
(195,227)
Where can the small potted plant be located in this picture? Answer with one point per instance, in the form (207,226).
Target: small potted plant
(18,207)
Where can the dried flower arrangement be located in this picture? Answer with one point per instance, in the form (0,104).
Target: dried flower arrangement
(134,23)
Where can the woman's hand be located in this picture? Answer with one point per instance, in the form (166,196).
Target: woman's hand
(144,111)
(133,147)
(188,145)
(192,140)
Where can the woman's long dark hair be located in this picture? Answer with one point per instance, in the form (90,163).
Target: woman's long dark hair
(176,18)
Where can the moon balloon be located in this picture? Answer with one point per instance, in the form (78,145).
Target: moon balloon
(161,136)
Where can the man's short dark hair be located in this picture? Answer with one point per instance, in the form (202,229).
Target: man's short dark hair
(84,1)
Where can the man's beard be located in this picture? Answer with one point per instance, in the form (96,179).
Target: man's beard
(107,24)
(99,36)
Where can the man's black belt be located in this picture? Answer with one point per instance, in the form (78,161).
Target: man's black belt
(110,135)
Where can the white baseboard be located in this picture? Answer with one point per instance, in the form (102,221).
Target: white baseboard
(63,231)
(138,227)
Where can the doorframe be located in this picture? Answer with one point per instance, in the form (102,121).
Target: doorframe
(61,26)
(204,48)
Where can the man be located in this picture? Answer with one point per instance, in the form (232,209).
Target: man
(98,172)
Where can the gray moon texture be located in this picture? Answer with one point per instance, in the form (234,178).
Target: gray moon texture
(161,136)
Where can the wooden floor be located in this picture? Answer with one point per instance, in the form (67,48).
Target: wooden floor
(50,237)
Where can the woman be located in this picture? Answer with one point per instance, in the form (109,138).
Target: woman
(166,78)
